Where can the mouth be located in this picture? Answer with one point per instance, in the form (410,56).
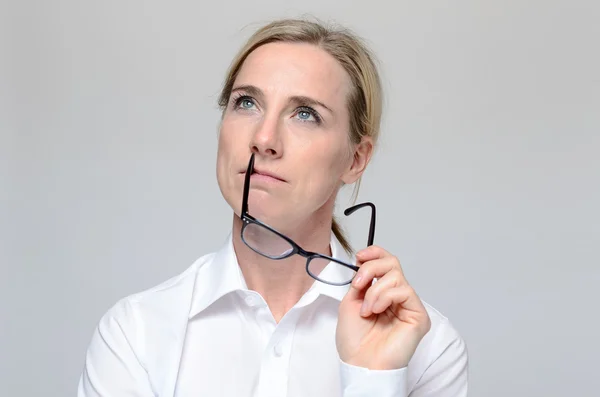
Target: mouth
(265,175)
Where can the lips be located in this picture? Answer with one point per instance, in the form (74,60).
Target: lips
(269,174)
(266,173)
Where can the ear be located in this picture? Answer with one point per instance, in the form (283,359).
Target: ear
(361,157)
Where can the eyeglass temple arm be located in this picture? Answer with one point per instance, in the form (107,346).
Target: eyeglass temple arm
(350,211)
(249,171)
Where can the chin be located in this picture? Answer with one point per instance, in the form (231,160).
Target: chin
(264,210)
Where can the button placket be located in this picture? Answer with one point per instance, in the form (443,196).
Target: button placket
(278,349)
(273,378)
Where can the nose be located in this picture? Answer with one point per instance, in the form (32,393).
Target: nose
(266,140)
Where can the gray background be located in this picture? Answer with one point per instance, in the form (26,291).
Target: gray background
(487,179)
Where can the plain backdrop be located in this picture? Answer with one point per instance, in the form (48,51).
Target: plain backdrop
(487,180)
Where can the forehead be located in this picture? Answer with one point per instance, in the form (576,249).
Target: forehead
(296,69)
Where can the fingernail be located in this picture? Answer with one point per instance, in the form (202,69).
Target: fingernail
(364,308)
(357,279)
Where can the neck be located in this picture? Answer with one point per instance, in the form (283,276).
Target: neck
(281,282)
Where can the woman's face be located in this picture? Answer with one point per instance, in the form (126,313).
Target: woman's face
(289,106)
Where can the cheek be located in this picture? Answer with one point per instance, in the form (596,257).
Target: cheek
(235,134)
(325,174)
(337,161)
(226,153)
(226,138)
(231,139)
(223,155)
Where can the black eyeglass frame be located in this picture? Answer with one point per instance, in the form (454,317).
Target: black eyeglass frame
(248,219)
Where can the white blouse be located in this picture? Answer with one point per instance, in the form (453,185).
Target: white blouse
(203,333)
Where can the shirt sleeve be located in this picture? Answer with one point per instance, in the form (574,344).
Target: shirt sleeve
(112,367)
(439,370)
(363,382)
(447,374)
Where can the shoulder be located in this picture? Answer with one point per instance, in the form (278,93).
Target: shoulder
(174,288)
(139,315)
(139,337)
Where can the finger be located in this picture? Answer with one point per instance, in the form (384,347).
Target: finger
(403,301)
(371,252)
(376,269)
(391,279)
(355,294)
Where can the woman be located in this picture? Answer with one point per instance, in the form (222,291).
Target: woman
(282,309)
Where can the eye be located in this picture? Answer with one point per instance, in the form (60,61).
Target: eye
(306,113)
(244,102)
(247,103)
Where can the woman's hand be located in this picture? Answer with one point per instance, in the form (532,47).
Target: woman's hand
(380,325)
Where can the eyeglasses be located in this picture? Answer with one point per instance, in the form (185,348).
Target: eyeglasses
(270,243)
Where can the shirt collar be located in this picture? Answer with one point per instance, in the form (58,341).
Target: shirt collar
(221,275)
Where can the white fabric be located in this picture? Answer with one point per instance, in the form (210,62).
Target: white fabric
(203,333)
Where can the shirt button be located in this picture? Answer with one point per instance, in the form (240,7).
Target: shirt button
(250,301)
(278,350)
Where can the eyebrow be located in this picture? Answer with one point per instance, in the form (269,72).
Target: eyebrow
(301,100)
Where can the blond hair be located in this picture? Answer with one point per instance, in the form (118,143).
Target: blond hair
(365,98)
